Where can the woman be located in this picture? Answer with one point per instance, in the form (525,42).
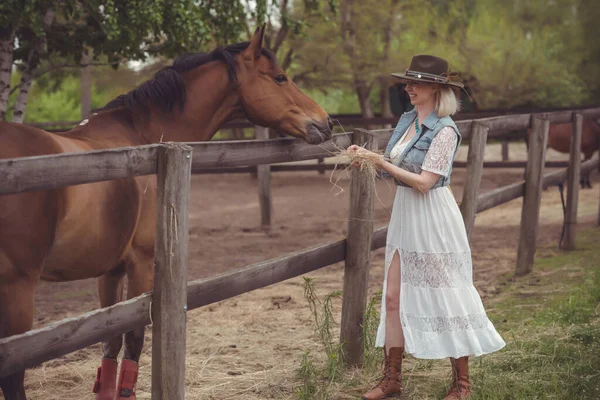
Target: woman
(430,308)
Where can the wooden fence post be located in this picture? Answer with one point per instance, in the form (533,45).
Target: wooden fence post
(321,165)
(530,212)
(468,206)
(505,150)
(264,185)
(573,175)
(170,273)
(358,256)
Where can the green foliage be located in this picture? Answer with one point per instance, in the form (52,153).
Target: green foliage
(517,54)
(312,377)
(335,101)
(58,98)
(511,53)
(307,374)
(372,355)
(318,379)
(553,338)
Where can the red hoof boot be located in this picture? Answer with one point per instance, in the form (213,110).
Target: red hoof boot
(127,380)
(106,377)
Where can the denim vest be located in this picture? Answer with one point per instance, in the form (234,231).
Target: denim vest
(413,155)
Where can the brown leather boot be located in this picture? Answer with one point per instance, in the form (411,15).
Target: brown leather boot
(391,383)
(461,385)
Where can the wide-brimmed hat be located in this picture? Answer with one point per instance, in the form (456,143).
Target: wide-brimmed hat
(432,69)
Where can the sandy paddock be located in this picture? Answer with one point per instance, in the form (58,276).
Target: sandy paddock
(250,347)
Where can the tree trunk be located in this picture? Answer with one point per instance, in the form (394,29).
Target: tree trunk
(33,60)
(21,103)
(6,60)
(384,96)
(86,84)
(348,31)
(363,90)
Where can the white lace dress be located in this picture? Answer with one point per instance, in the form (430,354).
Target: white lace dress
(440,310)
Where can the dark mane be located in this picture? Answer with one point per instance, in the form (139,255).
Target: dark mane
(167,87)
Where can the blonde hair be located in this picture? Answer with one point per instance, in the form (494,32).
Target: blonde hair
(446,102)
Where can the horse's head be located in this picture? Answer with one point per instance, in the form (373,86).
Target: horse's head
(193,98)
(270,98)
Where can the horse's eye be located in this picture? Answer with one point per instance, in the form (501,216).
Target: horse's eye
(280,78)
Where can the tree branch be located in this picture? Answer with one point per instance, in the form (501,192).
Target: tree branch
(284,28)
(287,60)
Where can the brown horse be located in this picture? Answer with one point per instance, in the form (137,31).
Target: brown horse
(559,139)
(107,229)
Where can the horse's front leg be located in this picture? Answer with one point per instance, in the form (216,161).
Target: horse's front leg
(16,316)
(140,278)
(110,289)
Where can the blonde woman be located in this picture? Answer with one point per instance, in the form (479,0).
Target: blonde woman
(430,308)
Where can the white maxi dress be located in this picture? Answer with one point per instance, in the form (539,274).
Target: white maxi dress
(440,310)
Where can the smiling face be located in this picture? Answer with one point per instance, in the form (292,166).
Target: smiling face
(421,93)
(269,98)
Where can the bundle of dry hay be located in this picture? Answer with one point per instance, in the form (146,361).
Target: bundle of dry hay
(365,161)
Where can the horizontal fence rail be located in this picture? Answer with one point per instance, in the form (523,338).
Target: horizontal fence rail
(330,166)
(53,171)
(513,191)
(227,154)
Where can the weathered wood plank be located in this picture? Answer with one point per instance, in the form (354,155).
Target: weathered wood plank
(500,195)
(513,191)
(500,126)
(63,337)
(327,167)
(379,238)
(53,171)
(512,164)
(573,183)
(532,197)
(170,273)
(468,206)
(358,257)
(221,287)
(255,152)
(26,174)
(264,184)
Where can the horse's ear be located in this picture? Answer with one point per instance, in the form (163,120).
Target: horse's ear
(256,44)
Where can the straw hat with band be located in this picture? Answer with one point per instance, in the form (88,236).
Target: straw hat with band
(431,69)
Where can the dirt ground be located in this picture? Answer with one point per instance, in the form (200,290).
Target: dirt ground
(250,347)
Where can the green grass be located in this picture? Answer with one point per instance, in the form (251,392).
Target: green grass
(550,320)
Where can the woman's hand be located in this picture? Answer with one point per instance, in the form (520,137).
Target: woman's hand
(377,158)
(355,149)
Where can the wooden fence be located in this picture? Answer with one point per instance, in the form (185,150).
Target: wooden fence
(173,163)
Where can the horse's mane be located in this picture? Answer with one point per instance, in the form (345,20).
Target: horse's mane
(167,87)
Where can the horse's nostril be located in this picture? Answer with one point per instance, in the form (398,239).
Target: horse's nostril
(330,124)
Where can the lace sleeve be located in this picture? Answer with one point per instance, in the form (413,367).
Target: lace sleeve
(440,155)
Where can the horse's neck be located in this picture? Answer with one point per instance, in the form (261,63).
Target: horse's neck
(211,102)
